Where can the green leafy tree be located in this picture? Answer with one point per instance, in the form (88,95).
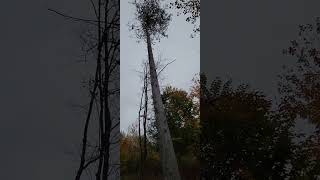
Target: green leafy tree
(182,114)
(240,137)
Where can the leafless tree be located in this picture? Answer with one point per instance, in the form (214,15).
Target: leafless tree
(104,43)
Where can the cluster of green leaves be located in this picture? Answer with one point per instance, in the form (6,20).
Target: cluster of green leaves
(153,19)
(182,120)
(191,8)
(182,111)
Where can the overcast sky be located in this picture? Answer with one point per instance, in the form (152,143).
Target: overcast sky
(244,39)
(40,81)
(178,46)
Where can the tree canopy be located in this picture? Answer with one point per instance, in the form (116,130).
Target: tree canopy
(152,19)
(299,85)
(238,137)
(191,8)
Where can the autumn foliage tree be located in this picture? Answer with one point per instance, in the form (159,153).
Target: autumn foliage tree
(182,112)
(183,120)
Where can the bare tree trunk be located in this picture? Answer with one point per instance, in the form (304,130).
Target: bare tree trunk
(101,146)
(84,141)
(140,146)
(145,113)
(107,116)
(85,132)
(101,129)
(167,155)
(139,134)
(143,149)
(108,40)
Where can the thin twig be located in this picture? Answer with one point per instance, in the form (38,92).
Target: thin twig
(75,18)
(165,66)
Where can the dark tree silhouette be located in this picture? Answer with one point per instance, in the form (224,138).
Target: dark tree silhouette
(240,137)
(103,43)
(299,86)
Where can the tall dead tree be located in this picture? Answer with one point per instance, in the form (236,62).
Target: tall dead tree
(145,113)
(103,43)
(153,21)
(139,130)
(144,107)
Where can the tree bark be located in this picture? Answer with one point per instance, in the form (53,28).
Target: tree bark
(167,155)
(139,134)
(93,93)
(107,116)
(101,145)
(145,114)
